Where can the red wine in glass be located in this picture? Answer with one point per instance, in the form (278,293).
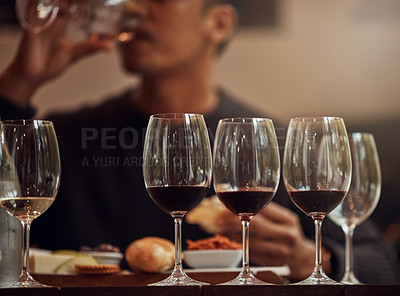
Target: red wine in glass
(246,175)
(317,202)
(317,174)
(180,198)
(177,173)
(246,201)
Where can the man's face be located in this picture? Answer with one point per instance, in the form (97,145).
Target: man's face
(171,34)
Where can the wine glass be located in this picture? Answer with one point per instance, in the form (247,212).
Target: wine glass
(34,178)
(10,227)
(363,195)
(109,19)
(317,174)
(177,173)
(36,15)
(246,169)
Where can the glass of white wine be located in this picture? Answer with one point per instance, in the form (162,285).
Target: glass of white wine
(33,178)
(363,195)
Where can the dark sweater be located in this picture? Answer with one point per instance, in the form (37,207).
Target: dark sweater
(102,198)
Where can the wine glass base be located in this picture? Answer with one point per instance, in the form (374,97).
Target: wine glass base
(178,280)
(27,281)
(350,279)
(318,279)
(245,280)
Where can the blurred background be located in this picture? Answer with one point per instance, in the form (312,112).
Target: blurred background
(289,58)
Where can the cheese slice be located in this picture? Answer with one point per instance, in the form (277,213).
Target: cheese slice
(68,267)
(44,262)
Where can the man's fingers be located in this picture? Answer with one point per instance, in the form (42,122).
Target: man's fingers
(270,230)
(269,248)
(264,252)
(233,236)
(263,247)
(228,222)
(262,226)
(279,214)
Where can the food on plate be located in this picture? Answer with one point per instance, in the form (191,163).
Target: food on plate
(217,258)
(46,262)
(101,248)
(206,214)
(69,266)
(150,254)
(217,251)
(216,242)
(65,252)
(104,253)
(57,262)
(65,261)
(97,269)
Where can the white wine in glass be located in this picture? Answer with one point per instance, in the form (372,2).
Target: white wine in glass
(363,195)
(33,147)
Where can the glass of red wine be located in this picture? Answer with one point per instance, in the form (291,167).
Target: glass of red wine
(246,169)
(177,173)
(317,174)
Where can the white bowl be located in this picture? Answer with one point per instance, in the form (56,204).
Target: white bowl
(212,258)
(105,257)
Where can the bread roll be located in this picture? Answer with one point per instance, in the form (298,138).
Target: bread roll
(150,254)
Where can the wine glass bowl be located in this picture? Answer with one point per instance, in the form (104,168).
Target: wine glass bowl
(107,19)
(363,195)
(174,199)
(317,173)
(36,15)
(246,175)
(177,167)
(33,147)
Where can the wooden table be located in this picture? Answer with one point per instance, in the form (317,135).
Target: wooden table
(136,284)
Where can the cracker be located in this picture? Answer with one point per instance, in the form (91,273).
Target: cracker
(98,269)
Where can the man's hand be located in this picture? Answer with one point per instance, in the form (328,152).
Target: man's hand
(43,56)
(276,238)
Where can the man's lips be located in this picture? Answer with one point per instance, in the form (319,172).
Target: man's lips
(141,36)
(137,36)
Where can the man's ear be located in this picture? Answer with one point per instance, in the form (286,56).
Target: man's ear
(221,23)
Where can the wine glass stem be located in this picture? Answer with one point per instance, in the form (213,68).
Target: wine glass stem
(178,241)
(349,249)
(26,227)
(318,243)
(245,237)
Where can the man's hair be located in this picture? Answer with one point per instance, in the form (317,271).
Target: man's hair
(236,4)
